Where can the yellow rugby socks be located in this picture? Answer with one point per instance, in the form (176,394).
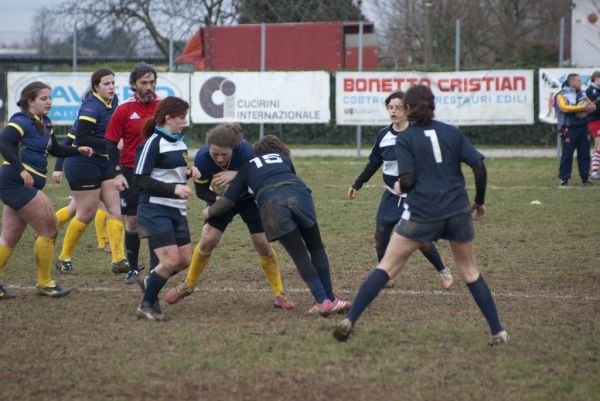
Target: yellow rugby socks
(199,262)
(270,266)
(75,230)
(5,253)
(62,216)
(116,234)
(100,225)
(43,250)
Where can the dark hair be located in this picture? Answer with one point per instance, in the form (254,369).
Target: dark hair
(271,144)
(394,95)
(139,70)
(568,80)
(420,104)
(171,106)
(29,93)
(224,135)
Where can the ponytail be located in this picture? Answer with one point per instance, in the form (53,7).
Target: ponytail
(148,128)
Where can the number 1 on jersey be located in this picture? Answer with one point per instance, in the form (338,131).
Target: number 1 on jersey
(435,144)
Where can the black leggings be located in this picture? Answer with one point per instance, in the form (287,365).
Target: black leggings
(313,269)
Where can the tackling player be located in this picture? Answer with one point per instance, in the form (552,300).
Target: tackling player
(219,160)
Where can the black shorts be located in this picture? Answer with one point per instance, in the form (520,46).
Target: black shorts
(247,209)
(87,173)
(162,225)
(458,228)
(285,208)
(12,191)
(129,196)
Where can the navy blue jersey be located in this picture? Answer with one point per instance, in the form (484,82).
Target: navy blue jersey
(97,111)
(384,153)
(33,146)
(434,152)
(260,173)
(164,160)
(208,168)
(593,93)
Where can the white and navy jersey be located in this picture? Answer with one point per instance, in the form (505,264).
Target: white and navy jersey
(434,152)
(163,158)
(383,154)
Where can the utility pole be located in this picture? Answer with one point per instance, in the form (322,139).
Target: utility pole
(428,34)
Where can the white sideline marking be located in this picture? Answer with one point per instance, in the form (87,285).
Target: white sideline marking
(305,290)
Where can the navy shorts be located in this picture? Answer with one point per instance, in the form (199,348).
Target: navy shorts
(162,225)
(390,209)
(247,209)
(12,191)
(285,208)
(457,228)
(129,196)
(87,173)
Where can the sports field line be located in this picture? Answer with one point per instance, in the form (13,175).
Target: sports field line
(390,291)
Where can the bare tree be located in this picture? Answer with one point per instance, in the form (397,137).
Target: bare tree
(493,32)
(41,32)
(149,21)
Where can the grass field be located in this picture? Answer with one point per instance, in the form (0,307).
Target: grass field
(415,342)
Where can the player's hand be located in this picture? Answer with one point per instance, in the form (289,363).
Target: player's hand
(352,193)
(85,150)
(57,176)
(223,178)
(193,172)
(589,107)
(479,211)
(27,179)
(205,215)
(121,183)
(120,144)
(183,191)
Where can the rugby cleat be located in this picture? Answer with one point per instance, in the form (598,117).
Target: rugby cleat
(133,277)
(150,312)
(176,294)
(499,338)
(55,292)
(325,308)
(340,306)
(283,302)
(64,266)
(122,266)
(343,330)
(4,294)
(446,278)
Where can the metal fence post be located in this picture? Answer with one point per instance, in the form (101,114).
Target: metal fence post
(359,68)
(263,51)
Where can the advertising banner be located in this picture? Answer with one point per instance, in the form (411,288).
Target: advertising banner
(551,80)
(69,88)
(260,97)
(496,97)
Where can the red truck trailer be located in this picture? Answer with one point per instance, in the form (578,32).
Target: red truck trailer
(295,46)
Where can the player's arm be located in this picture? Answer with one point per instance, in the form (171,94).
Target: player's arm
(9,138)
(85,129)
(146,160)
(568,108)
(203,190)
(227,201)
(62,151)
(480,174)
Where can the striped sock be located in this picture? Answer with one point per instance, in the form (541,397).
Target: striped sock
(595,162)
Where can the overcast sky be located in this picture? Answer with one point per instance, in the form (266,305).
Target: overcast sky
(16,18)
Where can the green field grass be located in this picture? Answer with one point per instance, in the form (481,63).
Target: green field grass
(415,342)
